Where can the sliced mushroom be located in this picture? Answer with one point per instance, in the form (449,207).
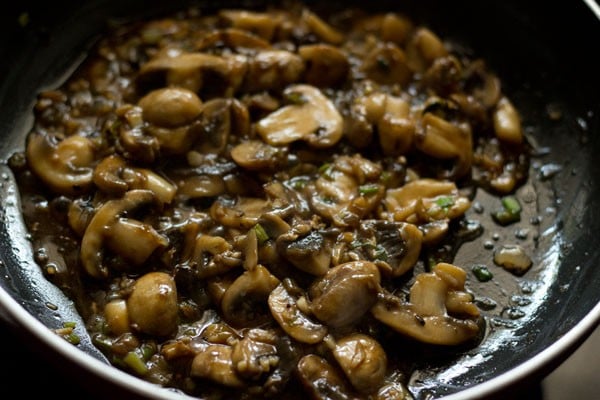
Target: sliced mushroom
(395,128)
(507,122)
(212,256)
(394,247)
(255,355)
(255,155)
(244,303)
(64,165)
(387,64)
(114,176)
(117,317)
(292,320)
(136,248)
(363,361)
(262,24)
(314,119)
(322,29)
(136,143)
(214,363)
(231,38)
(483,85)
(424,200)
(272,70)
(425,317)
(423,48)
(326,65)
(310,253)
(240,213)
(152,306)
(221,119)
(321,380)
(343,295)
(192,71)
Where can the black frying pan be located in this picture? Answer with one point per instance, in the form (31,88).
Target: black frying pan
(544,55)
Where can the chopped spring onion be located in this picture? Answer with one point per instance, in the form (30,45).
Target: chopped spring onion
(445,202)
(326,170)
(134,361)
(368,189)
(510,211)
(296,98)
(261,234)
(482,273)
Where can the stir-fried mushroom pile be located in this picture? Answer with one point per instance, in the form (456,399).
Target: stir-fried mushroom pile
(242,203)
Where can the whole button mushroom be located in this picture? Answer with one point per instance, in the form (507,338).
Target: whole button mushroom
(152,304)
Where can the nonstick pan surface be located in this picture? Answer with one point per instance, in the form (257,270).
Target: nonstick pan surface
(543,54)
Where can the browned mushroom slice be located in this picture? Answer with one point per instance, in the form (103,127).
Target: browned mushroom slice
(446,140)
(212,256)
(326,65)
(64,165)
(214,363)
(425,200)
(310,252)
(137,144)
(363,361)
(343,295)
(231,38)
(133,240)
(423,48)
(272,69)
(191,70)
(241,213)
(507,122)
(313,118)
(244,303)
(152,306)
(114,176)
(322,29)
(262,24)
(393,246)
(256,354)
(321,380)
(482,84)
(293,321)
(426,316)
(255,155)
(221,119)
(444,75)
(386,64)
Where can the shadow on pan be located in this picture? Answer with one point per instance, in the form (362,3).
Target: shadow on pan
(543,54)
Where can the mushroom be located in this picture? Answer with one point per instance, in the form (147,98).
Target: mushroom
(262,24)
(507,122)
(314,119)
(292,320)
(326,65)
(255,155)
(231,38)
(423,48)
(255,355)
(152,305)
(483,85)
(447,140)
(221,119)
(212,256)
(114,176)
(322,29)
(192,71)
(245,300)
(170,107)
(214,363)
(272,70)
(394,247)
(425,200)
(134,140)
(322,380)
(363,361)
(426,316)
(308,252)
(386,64)
(133,240)
(64,165)
(116,315)
(240,213)
(345,293)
